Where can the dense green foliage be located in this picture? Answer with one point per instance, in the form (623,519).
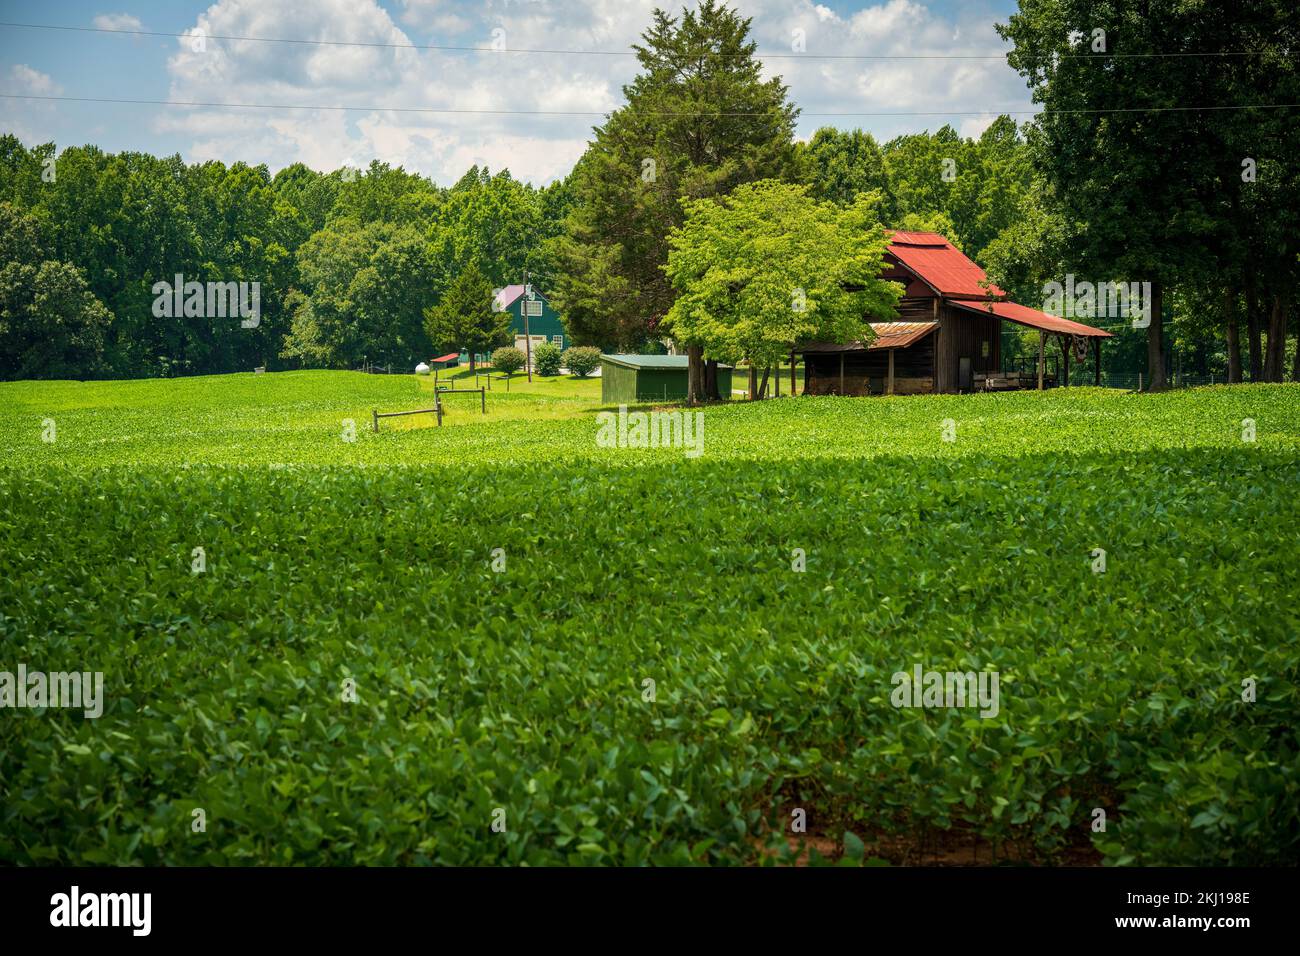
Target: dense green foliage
(523,690)
(699,121)
(348,262)
(464,318)
(1182,176)
(971,190)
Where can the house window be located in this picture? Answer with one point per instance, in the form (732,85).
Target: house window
(533,307)
(558,339)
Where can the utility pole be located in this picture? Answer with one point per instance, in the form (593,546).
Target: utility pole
(528,339)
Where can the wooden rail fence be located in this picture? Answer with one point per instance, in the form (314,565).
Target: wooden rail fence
(376,414)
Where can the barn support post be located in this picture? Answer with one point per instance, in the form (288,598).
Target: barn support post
(1096,361)
(1065,361)
(889,390)
(794,390)
(1042,342)
(841,373)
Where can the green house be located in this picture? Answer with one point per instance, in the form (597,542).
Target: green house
(631,379)
(543,322)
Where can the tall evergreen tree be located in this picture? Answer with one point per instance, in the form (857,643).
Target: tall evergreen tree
(464,318)
(699,121)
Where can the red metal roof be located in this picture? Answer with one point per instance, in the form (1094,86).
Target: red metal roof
(941,264)
(889,335)
(1034,319)
(448,357)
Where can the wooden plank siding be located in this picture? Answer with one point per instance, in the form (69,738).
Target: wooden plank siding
(962,334)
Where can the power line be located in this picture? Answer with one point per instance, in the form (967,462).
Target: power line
(758,54)
(503,112)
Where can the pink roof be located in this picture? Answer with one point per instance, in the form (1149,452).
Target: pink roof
(506,296)
(1024,315)
(941,265)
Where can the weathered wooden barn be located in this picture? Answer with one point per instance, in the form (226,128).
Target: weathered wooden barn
(949,334)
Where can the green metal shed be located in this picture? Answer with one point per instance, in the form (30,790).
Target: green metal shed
(632,379)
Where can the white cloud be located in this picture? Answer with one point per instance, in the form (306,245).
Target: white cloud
(23,79)
(541,147)
(117,21)
(29,120)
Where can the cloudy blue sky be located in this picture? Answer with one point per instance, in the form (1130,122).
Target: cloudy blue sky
(539,148)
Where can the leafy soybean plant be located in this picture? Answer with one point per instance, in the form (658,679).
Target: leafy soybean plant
(355,678)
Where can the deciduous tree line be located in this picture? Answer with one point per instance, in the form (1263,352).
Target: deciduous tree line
(352,265)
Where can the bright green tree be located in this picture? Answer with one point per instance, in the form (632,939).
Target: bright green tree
(768,267)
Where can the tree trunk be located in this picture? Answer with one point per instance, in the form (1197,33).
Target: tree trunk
(694,374)
(1252,331)
(753,383)
(1275,358)
(1155,341)
(1295,366)
(711,393)
(1234,338)
(762,389)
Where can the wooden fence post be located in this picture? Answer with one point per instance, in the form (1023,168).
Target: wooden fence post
(374,412)
(1042,336)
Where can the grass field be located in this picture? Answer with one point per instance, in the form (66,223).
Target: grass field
(519,696)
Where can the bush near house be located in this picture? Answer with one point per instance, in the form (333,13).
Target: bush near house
(581,360)
(507,360)
(547,358)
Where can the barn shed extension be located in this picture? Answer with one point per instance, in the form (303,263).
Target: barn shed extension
(949,334)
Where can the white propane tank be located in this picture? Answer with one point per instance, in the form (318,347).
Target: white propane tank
(422,369)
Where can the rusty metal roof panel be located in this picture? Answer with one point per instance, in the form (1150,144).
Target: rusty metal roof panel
(1023,315)
(900,335)
(889,335)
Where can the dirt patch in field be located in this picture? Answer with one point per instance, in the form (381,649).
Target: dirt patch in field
(959,845)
